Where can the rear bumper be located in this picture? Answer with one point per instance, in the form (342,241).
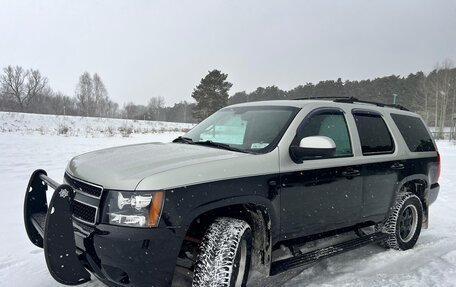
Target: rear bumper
(118,256)
(433,193)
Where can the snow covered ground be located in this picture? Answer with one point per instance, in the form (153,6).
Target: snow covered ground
(24,123)
(431,263)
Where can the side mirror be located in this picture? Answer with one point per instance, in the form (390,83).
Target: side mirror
(312,148)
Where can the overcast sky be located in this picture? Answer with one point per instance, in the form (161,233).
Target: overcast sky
(152,48)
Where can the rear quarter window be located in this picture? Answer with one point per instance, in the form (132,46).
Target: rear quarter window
(414,133)
(373,133)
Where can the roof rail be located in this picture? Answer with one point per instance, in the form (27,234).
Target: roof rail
(352,100)
(321,98)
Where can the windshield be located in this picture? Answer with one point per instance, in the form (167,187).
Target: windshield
(249,129)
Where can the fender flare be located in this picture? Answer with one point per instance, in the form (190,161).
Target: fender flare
(262,255)
(226,202)
(399,186)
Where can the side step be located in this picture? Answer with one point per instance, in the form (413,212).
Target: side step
(319,254)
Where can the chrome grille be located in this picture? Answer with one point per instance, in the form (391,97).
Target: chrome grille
(86,201)
(84,187)
(84,212)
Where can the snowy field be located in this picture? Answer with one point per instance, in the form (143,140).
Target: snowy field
(431,263)
(83,126)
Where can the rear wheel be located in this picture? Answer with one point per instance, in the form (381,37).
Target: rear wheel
(224,255)
(404,223)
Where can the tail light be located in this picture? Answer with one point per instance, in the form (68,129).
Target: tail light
(439,164)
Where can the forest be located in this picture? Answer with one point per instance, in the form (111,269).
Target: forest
(431,95)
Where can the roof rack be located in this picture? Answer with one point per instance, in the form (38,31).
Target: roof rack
(352,100)
(321,98)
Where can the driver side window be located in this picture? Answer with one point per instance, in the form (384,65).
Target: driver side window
(331,124)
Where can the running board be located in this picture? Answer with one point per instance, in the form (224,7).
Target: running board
(319,254)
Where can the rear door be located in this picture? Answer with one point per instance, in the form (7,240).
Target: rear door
(380,170)
(321,194)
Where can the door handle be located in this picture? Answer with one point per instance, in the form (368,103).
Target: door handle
(351,173)
(397,166)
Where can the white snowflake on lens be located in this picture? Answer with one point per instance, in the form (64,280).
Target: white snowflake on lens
(63,193)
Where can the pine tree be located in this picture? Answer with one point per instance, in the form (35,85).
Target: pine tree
(211,94)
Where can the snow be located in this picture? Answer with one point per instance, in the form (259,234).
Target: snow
(83,126)
(431,263)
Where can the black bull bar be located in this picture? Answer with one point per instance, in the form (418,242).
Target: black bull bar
(51,227)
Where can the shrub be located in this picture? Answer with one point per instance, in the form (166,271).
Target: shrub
(126,130)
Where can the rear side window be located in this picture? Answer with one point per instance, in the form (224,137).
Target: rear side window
(373,133)
(414,133)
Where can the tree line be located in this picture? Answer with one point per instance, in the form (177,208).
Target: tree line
(28,91)
(431,95)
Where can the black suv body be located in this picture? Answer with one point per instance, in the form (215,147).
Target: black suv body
(248,178)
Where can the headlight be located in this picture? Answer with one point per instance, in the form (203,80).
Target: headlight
(139,209)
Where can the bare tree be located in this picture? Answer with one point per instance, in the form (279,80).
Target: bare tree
(453,93)
(60,104)
(440,95)
(130,110)
(85,94)
(100,95)
(441,89)
(156,104)
(113,109)
(21,86)
(421,98)
(446,89)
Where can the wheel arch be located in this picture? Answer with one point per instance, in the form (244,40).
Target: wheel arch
(417,184)
(257,211)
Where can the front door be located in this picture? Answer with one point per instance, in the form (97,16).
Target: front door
(321,194)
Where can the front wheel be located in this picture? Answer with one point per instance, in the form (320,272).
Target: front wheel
(224,254)
(404,223)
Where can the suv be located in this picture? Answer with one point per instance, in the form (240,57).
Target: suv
(247,181)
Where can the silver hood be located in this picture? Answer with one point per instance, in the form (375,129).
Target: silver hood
(154,166)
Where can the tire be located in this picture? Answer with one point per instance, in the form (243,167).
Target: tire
(224,255)
(404,223)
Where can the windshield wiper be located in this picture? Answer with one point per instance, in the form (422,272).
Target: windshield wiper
(208,143)
(219,145)
(183,140)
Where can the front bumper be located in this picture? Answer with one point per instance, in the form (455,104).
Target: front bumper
(118,256)
(125,256)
